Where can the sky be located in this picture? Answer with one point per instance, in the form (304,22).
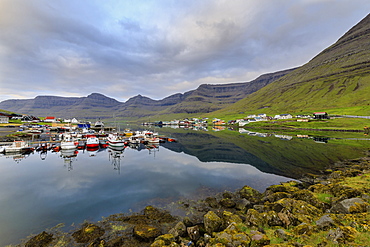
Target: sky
(156,48)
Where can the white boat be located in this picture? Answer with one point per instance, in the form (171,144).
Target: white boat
(114,140)
(17,146)
(67,142)
(92,142)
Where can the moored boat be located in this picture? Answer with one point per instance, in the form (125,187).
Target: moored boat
(67,142)
(18,146)
(114,140)
(92,142)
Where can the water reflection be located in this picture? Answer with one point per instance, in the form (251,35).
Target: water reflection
(70,186)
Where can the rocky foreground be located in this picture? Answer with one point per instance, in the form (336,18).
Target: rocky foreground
(331,209)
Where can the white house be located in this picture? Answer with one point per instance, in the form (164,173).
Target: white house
(4,119)
(283,116)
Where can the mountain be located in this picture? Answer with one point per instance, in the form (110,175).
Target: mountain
(338,77)
(206,98)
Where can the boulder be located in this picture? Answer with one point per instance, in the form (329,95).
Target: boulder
(304,229)
(179,230)
(231,236)
(193,233)
(88,233)
(276,196)
(280,233)
(146,232)
(212,222)
(250,194)
(40,240)
(254,218)
(325,222)
(348,206)
(227,203)
(164,240)
(342,234)
(273,219)
(302,211)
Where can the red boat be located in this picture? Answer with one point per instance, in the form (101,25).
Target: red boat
(92,142)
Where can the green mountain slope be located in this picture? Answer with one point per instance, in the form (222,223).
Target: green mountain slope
(338,77)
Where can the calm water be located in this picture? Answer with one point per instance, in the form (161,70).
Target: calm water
(39,192)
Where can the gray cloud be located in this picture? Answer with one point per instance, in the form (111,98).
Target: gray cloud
(157,48)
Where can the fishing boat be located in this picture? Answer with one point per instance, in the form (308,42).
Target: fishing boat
(18,146)
(67,142)
(92,142)
(114,140)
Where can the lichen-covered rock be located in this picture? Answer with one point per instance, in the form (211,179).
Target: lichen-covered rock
(250,194)
(272,219)
(284,235)
(231,236)
(304,229)
(179,230)
(227,203)
(193,233)
(303,211)
(287,188)
(258,239)
(353,205)
(212,222)
(307,196)
(325,222)
(254,218)
(164,240)
(212,202)
(229,218)
(342,234)
(88,233)
(242,204)
(146,233)
(40,240)
(158,215)
(276,196)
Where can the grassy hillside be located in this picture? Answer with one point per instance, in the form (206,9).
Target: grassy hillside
(337,79)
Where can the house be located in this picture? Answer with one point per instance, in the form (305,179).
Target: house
(320,115)
(4,118)
(50,119)
(283,116)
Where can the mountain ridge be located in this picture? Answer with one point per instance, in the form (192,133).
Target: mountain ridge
(215,96)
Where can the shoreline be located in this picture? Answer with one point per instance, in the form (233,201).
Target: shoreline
(321,208)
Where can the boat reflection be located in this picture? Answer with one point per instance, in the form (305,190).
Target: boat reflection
(68,155)
(115,155)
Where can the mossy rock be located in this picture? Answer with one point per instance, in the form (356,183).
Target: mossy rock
(342,234)
(250,194)
(163,240)
(158,215)
(280,188)
(304,229)
(146,232)
(231,236)
(254,218)
(229,218)
(307,196)
(258,239)
(212,222)
(88,233)
(227,203)
(277,196)
(40,240)
(272,218)
(212,202)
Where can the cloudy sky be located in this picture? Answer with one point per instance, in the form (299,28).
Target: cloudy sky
(122,48)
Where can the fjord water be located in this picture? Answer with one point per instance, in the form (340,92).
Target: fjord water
(43,190)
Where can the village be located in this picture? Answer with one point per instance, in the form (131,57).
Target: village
(238,122)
